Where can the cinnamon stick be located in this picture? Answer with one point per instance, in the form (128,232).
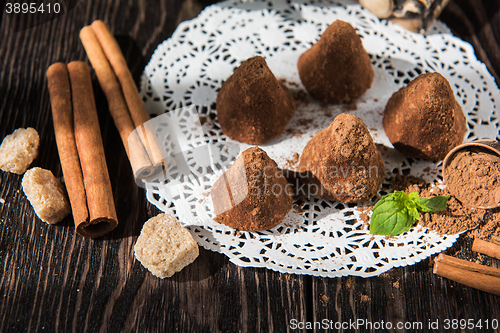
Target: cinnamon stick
(467,265)
(88,140)
(62,115)
(485,282)
(137,155)
(138,112)
(484,247)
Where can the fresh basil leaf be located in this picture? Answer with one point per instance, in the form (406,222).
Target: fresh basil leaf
(413,212)
(390,215)
(385,198)
(432,205)
(391,222)
(396,212)
(388,201)
(413,195)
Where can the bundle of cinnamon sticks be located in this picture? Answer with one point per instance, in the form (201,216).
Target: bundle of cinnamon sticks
(471,274)
(124,102)
(78,135)
(80,147)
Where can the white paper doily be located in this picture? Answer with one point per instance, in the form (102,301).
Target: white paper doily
(320,238)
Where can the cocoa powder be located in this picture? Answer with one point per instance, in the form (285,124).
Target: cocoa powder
(473,176)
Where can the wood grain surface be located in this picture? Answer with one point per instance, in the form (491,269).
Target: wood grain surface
(54,280)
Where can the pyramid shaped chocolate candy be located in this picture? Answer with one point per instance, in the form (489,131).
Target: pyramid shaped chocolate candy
(252,106)
(342,162)
(337,68)
(423,119)
(252,194)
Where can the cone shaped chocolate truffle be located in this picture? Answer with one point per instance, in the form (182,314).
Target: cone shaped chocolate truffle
(252,194)
(252,106)
(337,68)
(342,162)
(423,119)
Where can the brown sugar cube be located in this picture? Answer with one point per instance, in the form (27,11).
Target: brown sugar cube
(252,194)
(164,246)
(423,119)
(18,150)
(337,69)
(46,194)
(342,162)
(252,105)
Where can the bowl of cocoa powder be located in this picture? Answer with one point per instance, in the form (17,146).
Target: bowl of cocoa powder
(472,173)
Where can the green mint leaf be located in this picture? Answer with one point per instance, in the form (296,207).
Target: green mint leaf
(413,212)
(432,205)
(413,195)
(391,215)
(396,212)
(390,222)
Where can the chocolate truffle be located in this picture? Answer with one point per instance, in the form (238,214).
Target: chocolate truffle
(252,194)
(423,119)
(342,162)
(252,106)
(337,68)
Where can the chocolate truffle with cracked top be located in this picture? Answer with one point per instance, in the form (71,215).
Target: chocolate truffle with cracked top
(337,69)
(252,194)
(342,162)
(423,119)
(252,106)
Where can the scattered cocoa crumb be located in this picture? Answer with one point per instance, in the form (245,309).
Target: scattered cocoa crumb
(291,162)
(295,132)
(395,284)
(289,83)
(326,110)
(406,183)
(350,107)
(324,298)
(300,97)
(364,216)
(348,282)
(365,298)
(306,121)
(490,226)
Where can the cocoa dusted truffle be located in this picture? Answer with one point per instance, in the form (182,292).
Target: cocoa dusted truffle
(252,194)
(342,162)
(252,106)
(337,68)
(423,119)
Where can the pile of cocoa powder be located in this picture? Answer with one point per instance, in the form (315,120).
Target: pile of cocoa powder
(473,176)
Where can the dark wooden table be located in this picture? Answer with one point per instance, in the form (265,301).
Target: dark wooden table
(54,280)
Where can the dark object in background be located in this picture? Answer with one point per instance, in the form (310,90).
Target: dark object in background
(414,15)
